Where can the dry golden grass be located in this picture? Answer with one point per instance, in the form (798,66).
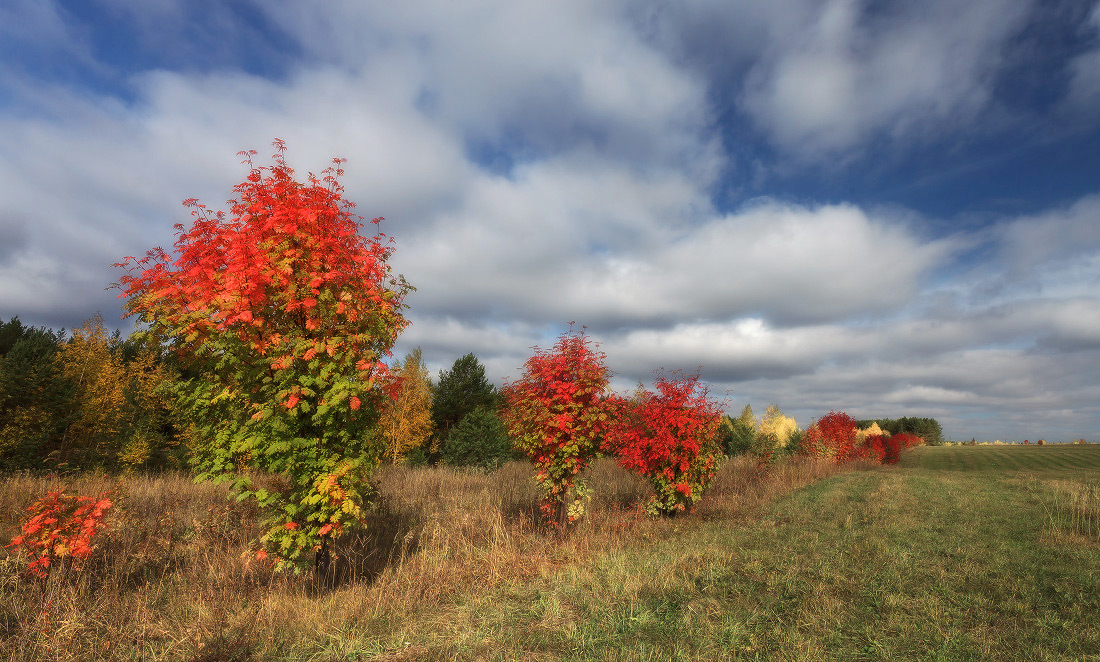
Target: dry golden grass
(1075,509)
(176,578)
(176,568)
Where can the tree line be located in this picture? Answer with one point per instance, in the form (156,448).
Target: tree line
(89,399)
(83,400)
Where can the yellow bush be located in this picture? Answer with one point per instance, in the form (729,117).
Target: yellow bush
(778,426)
(872,431)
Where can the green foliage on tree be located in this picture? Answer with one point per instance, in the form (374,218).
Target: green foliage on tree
(36,399)
(927,428)
(794,442)
(460,391)
(479,440)
(737,436)
(11,332)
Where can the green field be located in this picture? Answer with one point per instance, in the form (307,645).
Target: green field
(957,553)
(960,553)
(1070,458)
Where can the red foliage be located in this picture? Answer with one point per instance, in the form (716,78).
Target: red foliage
(832,436)
(898,443)
(893,450)
(668,437)
(290,256)
(877,445)
(884,448)
(61,526)
(558,414)
(909,440)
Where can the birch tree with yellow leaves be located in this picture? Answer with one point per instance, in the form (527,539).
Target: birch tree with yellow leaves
(121,406)
(407,419)
(774,433)
(779,426)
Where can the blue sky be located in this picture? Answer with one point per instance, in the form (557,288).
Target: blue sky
(884,208)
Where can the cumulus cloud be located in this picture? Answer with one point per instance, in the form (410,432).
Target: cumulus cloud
(569,250)
(545,164)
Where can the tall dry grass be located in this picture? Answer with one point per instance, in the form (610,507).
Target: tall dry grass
(1075,509)
(175,577)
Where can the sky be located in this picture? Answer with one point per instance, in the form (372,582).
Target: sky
(883,208)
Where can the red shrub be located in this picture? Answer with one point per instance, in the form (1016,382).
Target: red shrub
(876,447)
(893,450)
(557,413)
(832,436)
(908,440)
(669,438)
(61,526)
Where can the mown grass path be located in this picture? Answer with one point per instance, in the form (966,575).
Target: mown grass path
(952,555)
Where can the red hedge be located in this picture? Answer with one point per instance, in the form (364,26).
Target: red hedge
(833,436)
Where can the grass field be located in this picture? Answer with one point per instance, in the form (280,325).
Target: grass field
(957,553)
(1057,458)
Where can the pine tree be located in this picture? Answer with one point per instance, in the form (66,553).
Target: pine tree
(461,390)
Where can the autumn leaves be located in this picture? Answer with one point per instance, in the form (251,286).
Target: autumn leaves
(561,412)
(283,315)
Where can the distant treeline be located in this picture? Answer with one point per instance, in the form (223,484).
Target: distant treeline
(90,399)
(927,428)
(81,400)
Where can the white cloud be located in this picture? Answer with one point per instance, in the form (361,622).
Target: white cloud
(604,247)
(1057,235)
(604,213)
(538,77)
(1084,85)
(846,75)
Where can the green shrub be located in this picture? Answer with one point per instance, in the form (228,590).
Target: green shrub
(735,436)
(480,439)
(794,442)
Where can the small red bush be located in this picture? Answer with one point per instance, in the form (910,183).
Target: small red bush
(61,526)
(876,447)
(557,413)
(897,443)
(668,437)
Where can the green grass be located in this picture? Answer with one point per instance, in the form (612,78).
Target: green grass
(1071,458)
(907,563)
(957,553)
